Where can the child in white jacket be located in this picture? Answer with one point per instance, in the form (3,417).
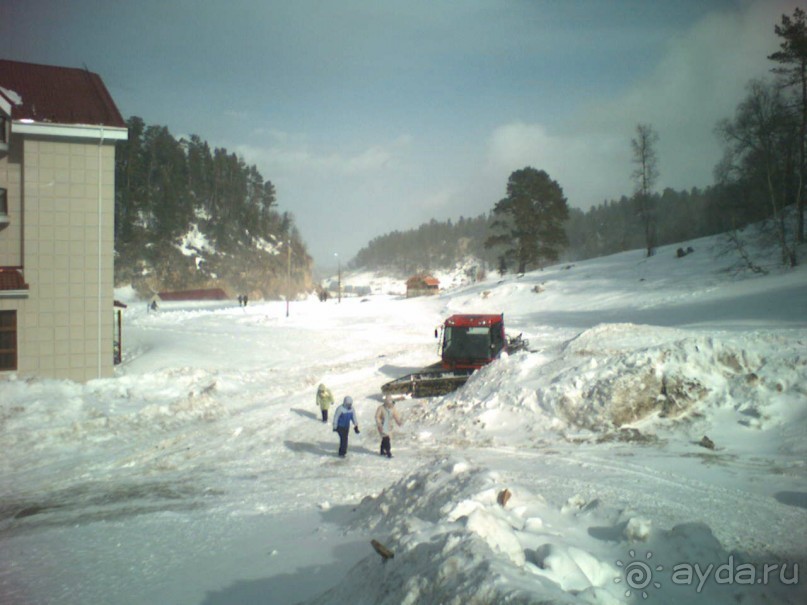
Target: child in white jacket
(385,416)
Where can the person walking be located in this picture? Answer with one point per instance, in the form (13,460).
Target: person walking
(386,416)
(324,400)
(342,418)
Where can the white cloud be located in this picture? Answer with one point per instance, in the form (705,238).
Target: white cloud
(589,168)
(437,200)
(236,114)
(700,80)
(294,154)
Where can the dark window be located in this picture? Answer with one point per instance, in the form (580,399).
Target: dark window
(466,342)
(8,340)
(3,202)
(3,129)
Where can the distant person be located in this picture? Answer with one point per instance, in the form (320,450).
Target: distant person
(386,416)
(324,400)
(240,301)
(342,418)
(245,300)
(153,305)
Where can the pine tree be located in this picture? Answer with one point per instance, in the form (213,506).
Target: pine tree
(531,218)
(129,179)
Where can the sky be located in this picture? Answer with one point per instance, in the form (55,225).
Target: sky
(371,117)
(201,472)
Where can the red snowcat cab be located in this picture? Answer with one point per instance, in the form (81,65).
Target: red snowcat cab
(468,342)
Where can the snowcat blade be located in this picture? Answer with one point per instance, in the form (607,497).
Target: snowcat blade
(426,384)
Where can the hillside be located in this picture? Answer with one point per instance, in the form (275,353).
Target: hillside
(188,216)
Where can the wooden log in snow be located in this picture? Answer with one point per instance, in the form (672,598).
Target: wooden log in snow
(504,496)
(382,550)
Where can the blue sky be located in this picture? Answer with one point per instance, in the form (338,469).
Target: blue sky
(374,116)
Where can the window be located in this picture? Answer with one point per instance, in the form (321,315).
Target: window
(4,124)
(466,342)
(8,341)
(3,202)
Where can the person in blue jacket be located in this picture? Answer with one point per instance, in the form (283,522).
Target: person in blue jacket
(342,418)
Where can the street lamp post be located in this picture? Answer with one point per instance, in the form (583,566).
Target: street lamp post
(288,276)
(339,277)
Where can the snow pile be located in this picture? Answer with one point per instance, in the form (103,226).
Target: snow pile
(165,400)
(609,377)
(607,383)
(462,534)
(455,543)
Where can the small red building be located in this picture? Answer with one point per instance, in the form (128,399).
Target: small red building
(422,285)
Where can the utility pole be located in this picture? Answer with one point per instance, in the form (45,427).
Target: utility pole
(339,277)
(288,277)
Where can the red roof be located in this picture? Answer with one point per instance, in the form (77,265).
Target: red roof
(427,280)
(62,95)
(11,279)
(205,294)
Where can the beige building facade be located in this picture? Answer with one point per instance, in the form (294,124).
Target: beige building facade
(57,237)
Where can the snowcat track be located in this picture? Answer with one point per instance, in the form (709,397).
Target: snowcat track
(426,384)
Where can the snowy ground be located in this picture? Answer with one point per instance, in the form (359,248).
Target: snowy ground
(201,474)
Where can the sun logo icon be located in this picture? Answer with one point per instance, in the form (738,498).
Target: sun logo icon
(638,574)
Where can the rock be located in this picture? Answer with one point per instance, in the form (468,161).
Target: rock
(707,443)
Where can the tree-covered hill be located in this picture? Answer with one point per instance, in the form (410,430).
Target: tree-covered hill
(611,227)
(187,216)
(433,245)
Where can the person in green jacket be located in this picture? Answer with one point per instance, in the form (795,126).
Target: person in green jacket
(324,400)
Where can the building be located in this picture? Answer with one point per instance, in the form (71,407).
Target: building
(422,285)
(58,128)
(202,294)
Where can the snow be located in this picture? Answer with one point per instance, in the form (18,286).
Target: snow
(194,241)
(200,474)
(11,95)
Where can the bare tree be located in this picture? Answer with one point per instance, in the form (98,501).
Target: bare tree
(644,178)
(761,147)
(793,70)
